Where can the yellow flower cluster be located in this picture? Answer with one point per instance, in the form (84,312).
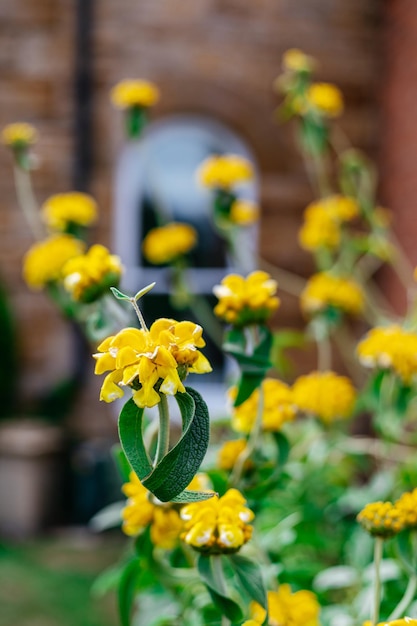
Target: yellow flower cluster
(278,407)
(323,219)
(249,300)
(325,98)
(64,209)
(130,93)
(166,243)
(319,229)
(286,608)
(324,290)
(19,134)
(407,504)
(150,361)
(224,171)
(44,261)
(142,510)
(382,519)
(217,525)
(390,347)
(88,276)
(326,395)
(294,60)
(229,453)
(244,212)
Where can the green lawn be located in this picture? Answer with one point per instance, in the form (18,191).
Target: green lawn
(48,582)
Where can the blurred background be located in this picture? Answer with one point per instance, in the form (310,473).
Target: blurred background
(214,62)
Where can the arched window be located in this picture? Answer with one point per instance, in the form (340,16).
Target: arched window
(156,183)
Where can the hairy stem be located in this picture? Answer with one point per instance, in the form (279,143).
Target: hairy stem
(27,202)
(379,544)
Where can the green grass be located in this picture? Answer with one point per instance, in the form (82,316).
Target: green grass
(48,582)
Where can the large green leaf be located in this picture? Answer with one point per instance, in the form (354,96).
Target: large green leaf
(249,575)
(218,592)
(168,480)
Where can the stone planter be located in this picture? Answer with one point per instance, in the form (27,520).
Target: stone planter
(29,481)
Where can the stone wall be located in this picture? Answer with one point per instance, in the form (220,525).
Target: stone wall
(214,57)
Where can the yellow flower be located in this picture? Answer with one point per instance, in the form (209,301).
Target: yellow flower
(224,171)
(150,361)
(407,504)
(19,135)
(278,407)
(249,300)
(319,230)
(64,209)
(295,60)
(88,276)
(324,395)
(218,525)
(392,348)
(243,212)
(142,510)
(325,98)
(324,290)
(44,261)
(382,519)
(130,93)
(286,608)
(407,621)
(166,243)
(322,220)
(229,453)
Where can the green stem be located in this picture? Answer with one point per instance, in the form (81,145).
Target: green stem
(252,441)
(406,600)
(324,354)
(287,281)
(379,544)
(218,575)
(27,202)
(163,435)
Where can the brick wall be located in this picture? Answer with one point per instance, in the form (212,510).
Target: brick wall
(215,57)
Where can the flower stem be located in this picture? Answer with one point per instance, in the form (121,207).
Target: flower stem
(218,575)
(324,354)
(27,202)
(405,600)
(163,435)
(139,314)
(252,441)
(379,543)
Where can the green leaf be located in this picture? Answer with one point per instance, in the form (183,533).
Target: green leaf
(247,385)
(206,569)
(118,294)
(283,446)
(193,496)
(176,470)
(143,291)
(249,575)
(131,438)
(126,591)
(313,134)
(253,366)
